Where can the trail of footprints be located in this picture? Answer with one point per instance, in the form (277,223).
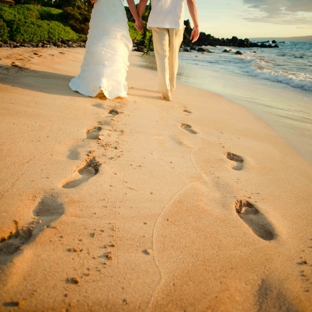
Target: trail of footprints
(246,211)
(50,207)
(91,166)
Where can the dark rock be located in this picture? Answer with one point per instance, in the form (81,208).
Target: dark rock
(238,53)
(8,2)
(226,51)
(209,40)
(203,50)
(26,45)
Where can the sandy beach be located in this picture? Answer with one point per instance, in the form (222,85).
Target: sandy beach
(140,204)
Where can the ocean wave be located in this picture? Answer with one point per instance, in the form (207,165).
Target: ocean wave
(286,71)
(293,79)
(290,65)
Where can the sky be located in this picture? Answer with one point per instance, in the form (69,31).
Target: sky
(254,18)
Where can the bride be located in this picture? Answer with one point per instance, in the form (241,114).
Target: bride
(105,63)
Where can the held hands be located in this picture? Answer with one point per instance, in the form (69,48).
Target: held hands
(139,25)
(194,34)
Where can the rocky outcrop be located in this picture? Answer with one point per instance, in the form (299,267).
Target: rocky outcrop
(209,40)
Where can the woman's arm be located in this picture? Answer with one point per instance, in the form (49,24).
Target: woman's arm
(138,23)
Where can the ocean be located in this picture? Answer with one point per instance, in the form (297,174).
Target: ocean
(274,83)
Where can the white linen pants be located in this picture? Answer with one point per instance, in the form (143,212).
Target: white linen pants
(167,42)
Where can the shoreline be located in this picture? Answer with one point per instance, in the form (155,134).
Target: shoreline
(167,208)
(284,109)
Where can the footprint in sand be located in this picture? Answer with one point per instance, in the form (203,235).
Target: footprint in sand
(188,128)
(73,153)
(113,112)
(185,110)
(89,169)
(98,105)
(11,244)
(48,210)
(93,133)
(236,158)
(255,219)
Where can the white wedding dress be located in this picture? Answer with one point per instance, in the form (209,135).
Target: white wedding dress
(105,62)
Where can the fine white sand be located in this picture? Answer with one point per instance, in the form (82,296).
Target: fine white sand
(136,205)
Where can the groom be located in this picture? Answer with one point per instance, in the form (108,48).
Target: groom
(166,21)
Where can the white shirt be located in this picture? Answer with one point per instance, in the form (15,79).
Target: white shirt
(166,14)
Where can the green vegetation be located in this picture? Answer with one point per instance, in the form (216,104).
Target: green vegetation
(25,23)
(78,19)
(4,31)
(37,20)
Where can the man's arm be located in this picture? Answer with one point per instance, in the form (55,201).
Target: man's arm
(194,15)
(142,7)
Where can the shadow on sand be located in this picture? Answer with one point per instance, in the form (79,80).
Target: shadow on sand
(50,83)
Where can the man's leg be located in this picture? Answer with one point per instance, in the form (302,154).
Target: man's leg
(175,39)
(161,49)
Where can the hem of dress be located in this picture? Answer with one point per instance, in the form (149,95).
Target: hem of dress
(95,95)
